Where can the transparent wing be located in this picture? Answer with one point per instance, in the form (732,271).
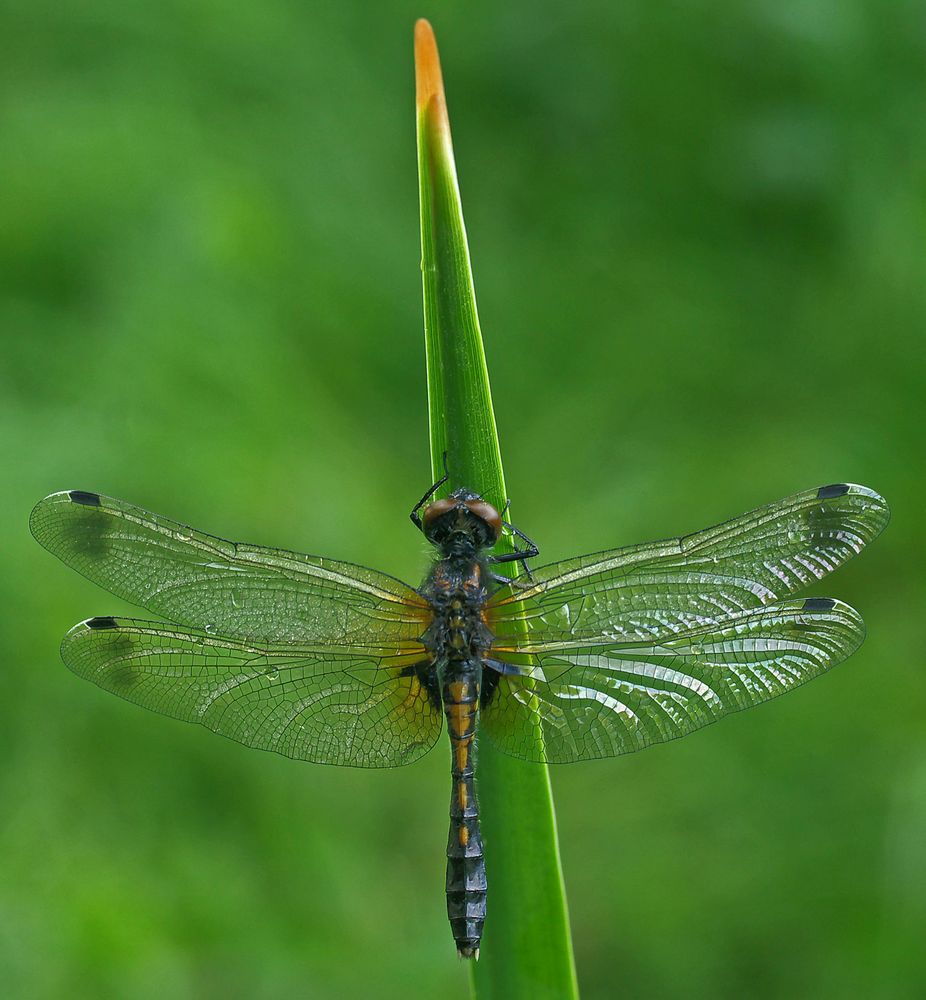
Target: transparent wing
(316,704)
(650,591)
(601,700)
(232,589)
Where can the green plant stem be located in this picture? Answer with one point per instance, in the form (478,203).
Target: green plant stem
(527,950)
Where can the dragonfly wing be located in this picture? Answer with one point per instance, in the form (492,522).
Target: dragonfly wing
(232,589)
(319,704)
(646,592)
(606,699)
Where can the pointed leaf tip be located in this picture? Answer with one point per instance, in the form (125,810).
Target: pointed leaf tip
(429,83)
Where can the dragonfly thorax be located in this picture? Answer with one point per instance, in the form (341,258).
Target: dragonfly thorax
(457,596)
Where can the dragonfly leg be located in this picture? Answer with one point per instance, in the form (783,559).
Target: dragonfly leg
(531,545)
(519,555)
(415,516)
(507,581)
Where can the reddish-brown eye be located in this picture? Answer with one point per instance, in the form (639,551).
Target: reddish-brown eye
(486,512)
(436,509)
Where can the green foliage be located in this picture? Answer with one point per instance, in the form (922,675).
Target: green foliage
(527,950)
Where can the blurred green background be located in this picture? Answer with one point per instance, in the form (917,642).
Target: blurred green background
(697,232)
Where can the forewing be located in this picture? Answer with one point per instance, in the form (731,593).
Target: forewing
(601,700)
(650,591)
(318,704)
(233,589)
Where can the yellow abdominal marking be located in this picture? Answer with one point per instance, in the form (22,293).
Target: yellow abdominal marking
(458,714)
(464,836)
(461,753)
(459,717)
(462,794)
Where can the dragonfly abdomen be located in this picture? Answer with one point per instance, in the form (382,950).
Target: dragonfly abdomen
(466,874)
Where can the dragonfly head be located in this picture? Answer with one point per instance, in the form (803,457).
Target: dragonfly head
(459,517)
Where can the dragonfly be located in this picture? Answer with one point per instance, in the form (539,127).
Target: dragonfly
(335,663)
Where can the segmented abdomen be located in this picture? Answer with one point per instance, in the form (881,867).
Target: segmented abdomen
(466,874)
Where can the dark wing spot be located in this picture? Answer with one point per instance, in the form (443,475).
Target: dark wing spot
(818,604)
(87,499)
(86,532)
(104,622)
(836,490)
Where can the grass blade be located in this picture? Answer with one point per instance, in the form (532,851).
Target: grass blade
(527,950)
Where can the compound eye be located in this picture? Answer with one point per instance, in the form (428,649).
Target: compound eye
(437,509)
(486,512)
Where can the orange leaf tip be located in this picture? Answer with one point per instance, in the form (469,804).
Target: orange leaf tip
(429,83)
